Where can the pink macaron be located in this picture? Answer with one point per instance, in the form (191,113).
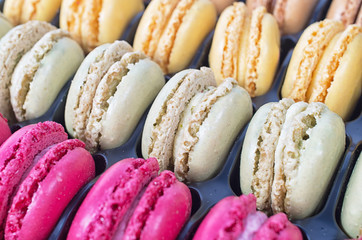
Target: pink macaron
(4,129)
(236,218)
(17,154)
(58,173)
(129,201)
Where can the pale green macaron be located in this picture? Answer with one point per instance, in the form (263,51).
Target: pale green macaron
(42,72)
(289,155)
(5,25)
(351,215)
(109,93)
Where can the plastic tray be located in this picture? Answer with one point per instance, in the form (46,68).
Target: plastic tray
(324,224)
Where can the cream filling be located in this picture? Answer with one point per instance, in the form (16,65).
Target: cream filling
(265,154)
(254,50)
(327,76)
(233,35)
(103,96)
(28,71)
(316,44)
(198,115)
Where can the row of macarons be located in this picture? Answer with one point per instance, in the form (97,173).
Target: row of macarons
(41,169)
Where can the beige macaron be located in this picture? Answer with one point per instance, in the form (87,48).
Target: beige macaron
(5,25)
(246,47)
(346,11)
(13,46)
(325,67)
(109,94)
(351,214)
(42,72)
(170,31)
(291,15)
(207,130)
(166,111)
(93,22)
(222,4)
(289,156)
(21,11)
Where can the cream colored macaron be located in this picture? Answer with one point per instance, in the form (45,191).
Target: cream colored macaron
(207,130)
(13,46)
(93,22)
(109,94)
(170,31)
(351,214)
(325,67)
(42,72)
(21,11)
(5,25)
(289,156)
(166,111)
(246,47)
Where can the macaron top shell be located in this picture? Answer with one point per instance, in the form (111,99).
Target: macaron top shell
(344,10)
(164,116)
(4,129)
(5,25)
(13,45)
(37,74)
(110,198)
(51,184)
(17,154)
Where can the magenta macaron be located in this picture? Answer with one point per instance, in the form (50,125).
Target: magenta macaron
(40,172)
(129,201)
(237,218)
(4,129)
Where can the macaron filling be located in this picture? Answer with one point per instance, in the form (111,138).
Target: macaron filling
(199,114)
(254,50)
(252,223)
(21,202)
(233,34)
(104,95)
(264,154)
(324,83)
(119,199)
(34,61)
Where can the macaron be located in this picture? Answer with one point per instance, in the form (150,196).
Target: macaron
(13,46)
(58,173)
(4,129)
(17,154)
(129,201)
(345,11)
(42,72)
(21,11)
(93,23)
(5,25)
(351,214)
(292,15)
(166,27)
(325,67)
(221,4)
(236,218)
(246,47)
(109,94)
(289,155)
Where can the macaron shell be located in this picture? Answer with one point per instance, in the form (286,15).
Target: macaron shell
(351,217)
(70,18)
(76,86)
(306,55)
(226,219)
(54,191)
(248,153)
(346,82)
(13,45)
(344,10)
(127,106)
(5,25)
(162,211)
(199,20)
(359,18)
(39,77)
(306,184)
(117,187)
(215,136)
(221,4)
(4,129)
(42,10)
